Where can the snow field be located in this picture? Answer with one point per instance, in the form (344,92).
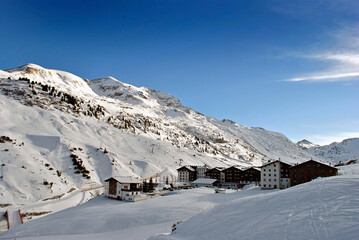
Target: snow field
(325,208)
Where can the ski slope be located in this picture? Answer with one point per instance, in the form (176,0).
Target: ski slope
(325,208)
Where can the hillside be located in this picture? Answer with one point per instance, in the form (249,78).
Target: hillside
(63,132)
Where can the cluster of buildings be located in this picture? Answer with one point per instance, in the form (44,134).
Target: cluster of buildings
(231,177)
(272,175)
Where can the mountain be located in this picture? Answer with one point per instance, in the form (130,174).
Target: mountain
(335,152)
(61,133)
(305,144)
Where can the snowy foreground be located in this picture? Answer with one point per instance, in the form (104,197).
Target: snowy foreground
(325,208)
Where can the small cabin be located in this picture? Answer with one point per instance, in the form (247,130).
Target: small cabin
(124,188)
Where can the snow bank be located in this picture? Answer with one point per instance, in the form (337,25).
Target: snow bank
(325,208)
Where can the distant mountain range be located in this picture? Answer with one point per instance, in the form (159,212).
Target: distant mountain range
(335,152)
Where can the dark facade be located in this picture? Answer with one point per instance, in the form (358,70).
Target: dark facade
(191,172)
(214,173)
(309,170)
(284,170)
(251,175)
(233,174)
(112,189)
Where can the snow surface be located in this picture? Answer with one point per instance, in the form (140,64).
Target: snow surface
(325,208)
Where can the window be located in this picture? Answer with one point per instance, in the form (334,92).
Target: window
(275,170)
(264,170)
(264,174)
(264,185)
(269,175)
(268,170)
(270,180)
(274,165)
(286,180)
(281,180)
(275,175)
(275,179)
(281,175)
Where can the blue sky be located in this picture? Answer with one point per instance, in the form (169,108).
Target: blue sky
(287,66)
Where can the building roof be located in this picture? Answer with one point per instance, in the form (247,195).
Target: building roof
(188,167)
(220,169)
(237,167)
(275,162)
(255,168)
(205,181)
(311,160)
(124,179)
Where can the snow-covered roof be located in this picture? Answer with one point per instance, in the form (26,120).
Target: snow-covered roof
(275,162)
(188,167)
(311,160)
(256,168)
(205,181)
(124,180)
(237,167)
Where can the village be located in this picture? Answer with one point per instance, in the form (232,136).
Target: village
(275,174)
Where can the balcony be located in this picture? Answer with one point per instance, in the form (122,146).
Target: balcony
(131,189)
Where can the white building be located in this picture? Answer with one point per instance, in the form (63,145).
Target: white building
(275,175)
(124,188)
(201,171)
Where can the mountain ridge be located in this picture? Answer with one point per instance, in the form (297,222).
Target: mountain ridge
(78,132)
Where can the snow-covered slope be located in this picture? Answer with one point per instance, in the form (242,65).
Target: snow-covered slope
(62,132)
(325,208)
(335,152)
(322,209)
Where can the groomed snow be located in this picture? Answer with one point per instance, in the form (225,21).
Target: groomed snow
(325,208)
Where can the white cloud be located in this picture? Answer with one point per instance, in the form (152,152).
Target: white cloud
(343,63)
(327,139)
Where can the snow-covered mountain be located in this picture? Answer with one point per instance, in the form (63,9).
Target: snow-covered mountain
(335,152)
(62,132)
(305,144)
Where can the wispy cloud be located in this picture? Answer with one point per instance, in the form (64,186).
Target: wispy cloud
(343,63)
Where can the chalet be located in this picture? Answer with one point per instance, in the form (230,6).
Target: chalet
(205,182)
(251,175)
(201,171)
(186,174)
(275,175)
(124,188)
(306,171)
(216,173)
(233,174)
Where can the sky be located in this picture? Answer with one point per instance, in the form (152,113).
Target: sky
(286,66)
